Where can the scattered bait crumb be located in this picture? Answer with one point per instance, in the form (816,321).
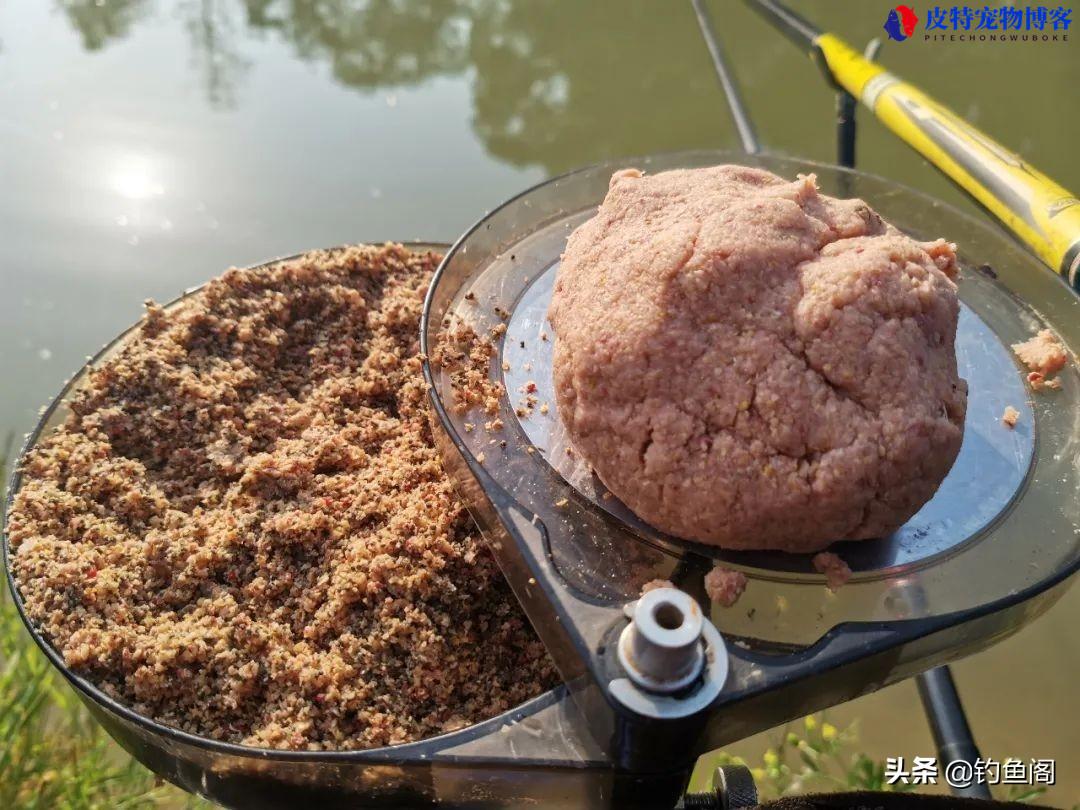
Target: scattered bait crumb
(836,571)
(243,529)
(724,586)
(1042,353)
(544,336)
(1011,416)
(470,296)
(544,408)
(526,406)
(480,459)
(1038,382)
(466,358)
(562,503)
(653,584)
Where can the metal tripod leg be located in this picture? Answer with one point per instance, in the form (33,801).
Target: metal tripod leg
(740,115)
(949,725)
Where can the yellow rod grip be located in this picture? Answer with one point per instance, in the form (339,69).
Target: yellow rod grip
(1041,213)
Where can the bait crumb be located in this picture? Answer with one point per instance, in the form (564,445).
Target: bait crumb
(724,586)
(836,571)
(1038,382)
(653,584)
(1011,416)
(1042,353)
(243,529)
(466,358)
(562,503)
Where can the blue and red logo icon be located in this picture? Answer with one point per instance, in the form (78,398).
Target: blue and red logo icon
(900,24)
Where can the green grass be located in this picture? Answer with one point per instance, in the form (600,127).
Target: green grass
(814,756)
(817,758)
(52,754)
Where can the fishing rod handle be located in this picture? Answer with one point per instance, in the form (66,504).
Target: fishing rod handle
(1042,214)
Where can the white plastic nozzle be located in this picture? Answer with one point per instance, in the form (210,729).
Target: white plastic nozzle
(661,648)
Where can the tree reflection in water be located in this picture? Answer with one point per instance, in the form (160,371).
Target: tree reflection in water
(99,21)
(213,28)
(553,83)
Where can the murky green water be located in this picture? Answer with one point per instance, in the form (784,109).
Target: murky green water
(145,146)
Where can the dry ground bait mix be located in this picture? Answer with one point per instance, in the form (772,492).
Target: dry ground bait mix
(244,531)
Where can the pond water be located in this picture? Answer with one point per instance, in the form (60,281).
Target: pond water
(145,146)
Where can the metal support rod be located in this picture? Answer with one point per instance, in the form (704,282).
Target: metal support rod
(799,30)
(739,113)
(949,725)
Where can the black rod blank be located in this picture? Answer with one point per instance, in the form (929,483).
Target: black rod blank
(845,115)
